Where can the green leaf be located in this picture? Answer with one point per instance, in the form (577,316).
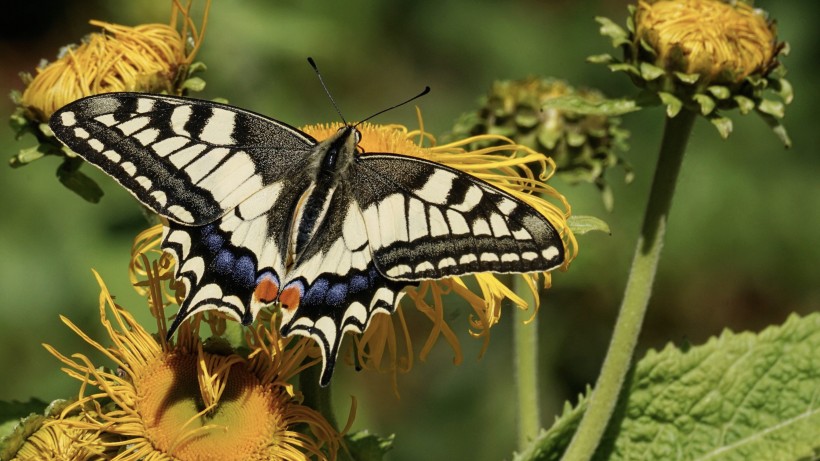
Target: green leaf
(744,104)
(719,91)
(365,446)
(550,444)
(75,180)
(687,78)
(581,105)
(582,224)
(12,412)
(19,420)
(740,396)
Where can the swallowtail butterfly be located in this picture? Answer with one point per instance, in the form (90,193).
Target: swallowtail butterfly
(259,212)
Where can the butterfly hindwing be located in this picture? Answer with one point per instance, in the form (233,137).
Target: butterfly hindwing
(426,221)
(188,160)
(335,282)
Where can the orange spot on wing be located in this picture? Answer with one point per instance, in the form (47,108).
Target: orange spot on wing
(266,291)
(290,297)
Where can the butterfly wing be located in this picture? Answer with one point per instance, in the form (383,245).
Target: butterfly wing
(425,220)
(190,161)
(394,212)
(335,286)
(225,178)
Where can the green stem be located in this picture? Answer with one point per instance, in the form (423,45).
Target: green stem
(525,337)
(316,396)
(638,289)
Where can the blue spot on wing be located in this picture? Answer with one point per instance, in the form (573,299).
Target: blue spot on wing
(245,270)
(336,295)
(315,295)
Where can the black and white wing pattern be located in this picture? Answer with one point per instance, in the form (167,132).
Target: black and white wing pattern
(222,176)
(259,213)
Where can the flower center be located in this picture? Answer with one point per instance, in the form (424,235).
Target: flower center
(242,426)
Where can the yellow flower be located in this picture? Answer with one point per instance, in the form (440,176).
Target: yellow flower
(706,56)
(505,165)
(64,438)
(719,41)
(151,58)
(191,400)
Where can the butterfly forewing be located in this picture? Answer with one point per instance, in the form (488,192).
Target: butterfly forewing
(188,160)
(427,221)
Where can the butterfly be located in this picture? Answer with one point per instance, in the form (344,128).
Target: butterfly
(259,213)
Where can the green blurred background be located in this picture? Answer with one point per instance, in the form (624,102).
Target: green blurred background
(743,241)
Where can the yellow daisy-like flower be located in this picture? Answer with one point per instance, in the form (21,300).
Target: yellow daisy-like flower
(152,58)
(706,56)
(505,165)
(61,438)
(192,401)
(721,42)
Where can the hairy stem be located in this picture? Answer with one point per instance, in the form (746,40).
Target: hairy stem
(638,289)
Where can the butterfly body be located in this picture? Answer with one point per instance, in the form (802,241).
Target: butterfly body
(260,213)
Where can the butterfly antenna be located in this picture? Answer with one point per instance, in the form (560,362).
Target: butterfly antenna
(423,92)
(322,81)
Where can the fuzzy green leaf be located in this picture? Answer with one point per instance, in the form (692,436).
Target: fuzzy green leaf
(740,396)
(19,420)
(12,412)
(583,224)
